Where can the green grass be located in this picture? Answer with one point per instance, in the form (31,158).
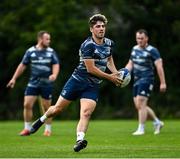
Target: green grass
(107,139)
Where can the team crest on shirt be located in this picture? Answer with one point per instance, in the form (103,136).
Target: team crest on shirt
(64,92)
(102,53)
(145,53)
(33,54)
(48,54)
(143,92)
(96,51)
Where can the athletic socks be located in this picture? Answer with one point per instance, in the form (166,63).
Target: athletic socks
(80,136)
(27,125)
(43,118)
(48,127)
(141,127)
(156,120)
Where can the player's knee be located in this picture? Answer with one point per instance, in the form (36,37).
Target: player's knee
(27,106)
(87,114)
(140,106)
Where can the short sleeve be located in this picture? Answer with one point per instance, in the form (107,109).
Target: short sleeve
(131,55)
(155,54)
(55,59)
(112,47)
(86,51)
(26,58)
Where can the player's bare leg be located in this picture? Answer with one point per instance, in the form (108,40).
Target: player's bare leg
(140,103)
(27,113)
(87,107)
(157,123)
(151,113)
(51,112)
(45,104)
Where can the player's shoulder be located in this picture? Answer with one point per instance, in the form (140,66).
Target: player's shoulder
(89,40)
(88,43)
(49,49)
(31,49)
(109,41)
(150,48)
(135,47)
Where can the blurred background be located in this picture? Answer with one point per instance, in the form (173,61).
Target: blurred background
(67,21)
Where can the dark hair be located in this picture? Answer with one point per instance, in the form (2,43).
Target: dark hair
(41,33)
(97,17)
(142,31)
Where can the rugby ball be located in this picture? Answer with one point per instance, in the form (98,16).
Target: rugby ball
(124,75)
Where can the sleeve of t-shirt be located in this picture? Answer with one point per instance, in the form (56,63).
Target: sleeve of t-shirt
(55,59)
(155,54)
(87,51)
(131,56)
(26,58)
(112,47)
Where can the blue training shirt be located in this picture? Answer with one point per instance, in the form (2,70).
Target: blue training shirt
(143,63)
(41,62)
(90,50)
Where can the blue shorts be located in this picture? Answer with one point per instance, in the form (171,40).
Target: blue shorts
(44,91)
(74,89)
(142,89)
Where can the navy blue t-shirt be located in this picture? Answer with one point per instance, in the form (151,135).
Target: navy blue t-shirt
(90,50)
(143,63)
(41,62)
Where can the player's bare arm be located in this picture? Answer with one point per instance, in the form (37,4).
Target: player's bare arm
(111,65)
(129,65)
(160,72)
(20,69)
(55,72)
(91,68)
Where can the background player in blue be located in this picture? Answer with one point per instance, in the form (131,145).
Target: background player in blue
(95,55)
(142,61)
(44,70)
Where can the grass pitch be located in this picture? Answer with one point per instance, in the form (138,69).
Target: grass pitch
(106,139)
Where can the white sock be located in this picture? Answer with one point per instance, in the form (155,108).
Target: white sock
(27,125)
(48,127)
(156,120)
(80,136)
(43,118)
(141,127)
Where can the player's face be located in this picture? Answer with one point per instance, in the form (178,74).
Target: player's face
(98,30)
(45,40)
(141,40)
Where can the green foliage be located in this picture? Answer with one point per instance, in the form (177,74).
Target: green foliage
(67,21)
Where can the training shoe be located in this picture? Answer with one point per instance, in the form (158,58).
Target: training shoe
(47,133)
(24,132)
(35,126)
(138,132)
(80,144)
(157,127)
